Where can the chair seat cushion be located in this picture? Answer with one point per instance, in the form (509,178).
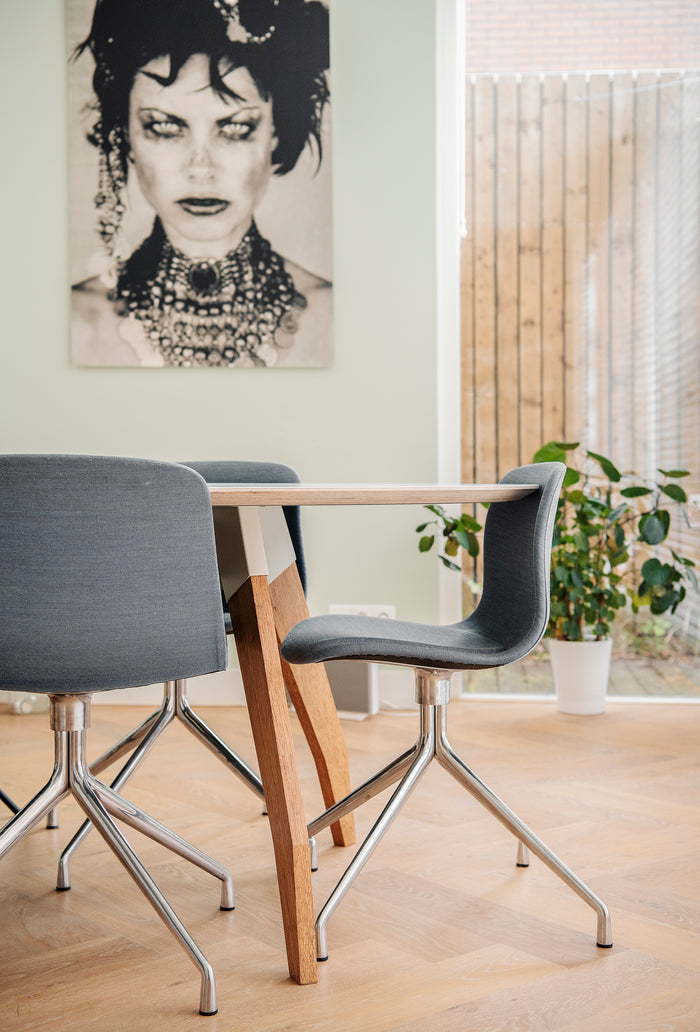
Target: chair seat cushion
(375,639)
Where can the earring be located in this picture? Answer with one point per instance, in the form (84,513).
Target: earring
(109,199)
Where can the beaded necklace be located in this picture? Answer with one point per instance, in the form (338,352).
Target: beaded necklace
(211,313)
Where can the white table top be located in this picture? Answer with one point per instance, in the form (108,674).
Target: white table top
(365,494)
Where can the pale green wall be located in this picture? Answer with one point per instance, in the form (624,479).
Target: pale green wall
(372,417)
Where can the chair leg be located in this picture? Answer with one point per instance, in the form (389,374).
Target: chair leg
(121,808)
(56,789)
(212,741)
(151,726)
(389,775)
(452,763)
(8,802)
(422,756)
(82,787)
(141,740)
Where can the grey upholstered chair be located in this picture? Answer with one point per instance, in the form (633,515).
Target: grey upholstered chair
(108,579)
(175,703)
(507,624)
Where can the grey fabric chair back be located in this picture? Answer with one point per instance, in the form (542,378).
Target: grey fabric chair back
(514,607)
(242,471)
(108,575)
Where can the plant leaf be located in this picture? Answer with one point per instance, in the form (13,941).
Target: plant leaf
(469,523)
(652,529)
(553,451)
(675,491)
(635,492)
(426,543)
(450,565)
(655,572)
(611,472)
(618,511)
(581,541)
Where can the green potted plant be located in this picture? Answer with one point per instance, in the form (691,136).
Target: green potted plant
(607,527)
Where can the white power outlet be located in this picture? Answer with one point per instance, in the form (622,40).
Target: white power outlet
(362,610)
(694,510)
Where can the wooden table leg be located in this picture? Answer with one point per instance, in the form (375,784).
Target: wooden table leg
(256,643)
(311,694)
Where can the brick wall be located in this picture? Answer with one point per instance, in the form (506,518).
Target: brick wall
(581,35)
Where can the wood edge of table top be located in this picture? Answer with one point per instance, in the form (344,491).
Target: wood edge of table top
(365,494)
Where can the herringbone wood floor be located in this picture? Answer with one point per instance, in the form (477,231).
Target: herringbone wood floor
(441,933)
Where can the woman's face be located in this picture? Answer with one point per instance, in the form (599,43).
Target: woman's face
(203,161)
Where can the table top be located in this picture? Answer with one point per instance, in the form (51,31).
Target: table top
(365,494)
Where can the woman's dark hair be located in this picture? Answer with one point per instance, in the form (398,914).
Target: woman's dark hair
(288,68)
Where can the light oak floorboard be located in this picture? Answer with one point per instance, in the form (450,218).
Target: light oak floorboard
(441,933)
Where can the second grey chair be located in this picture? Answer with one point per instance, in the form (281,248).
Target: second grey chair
(108,579)
(507,624)
(175,703)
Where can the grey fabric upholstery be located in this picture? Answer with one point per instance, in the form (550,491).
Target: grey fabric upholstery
(242,471)
(108,575)
(508,622)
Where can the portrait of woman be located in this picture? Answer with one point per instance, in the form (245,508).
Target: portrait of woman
(196,109)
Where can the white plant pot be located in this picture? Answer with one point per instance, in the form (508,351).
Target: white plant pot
(581,670)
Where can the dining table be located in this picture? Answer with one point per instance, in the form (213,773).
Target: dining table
(265,599)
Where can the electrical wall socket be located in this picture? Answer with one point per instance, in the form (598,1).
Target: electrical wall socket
(694,510)
(362,610)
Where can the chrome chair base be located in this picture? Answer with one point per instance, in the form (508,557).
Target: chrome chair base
(432,696)
(174,706)
(69,720)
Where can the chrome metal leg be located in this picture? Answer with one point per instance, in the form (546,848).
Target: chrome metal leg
(8,802)
(449,759)
(125,811)
(423,754)
(523,857)
(152,725)
(314,853)
(56,789)
(83,790)
(141,740)
(390,774)
(212,741)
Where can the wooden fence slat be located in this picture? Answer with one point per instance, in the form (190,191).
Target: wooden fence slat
(530,246)
(485,235)
(597,259)
(507,203)
(619,388)
(553,425)
(467,303)
(668,265)
(690,274)
(643,451)
(575,235)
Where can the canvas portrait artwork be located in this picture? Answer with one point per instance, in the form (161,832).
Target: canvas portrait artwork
(200,220)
